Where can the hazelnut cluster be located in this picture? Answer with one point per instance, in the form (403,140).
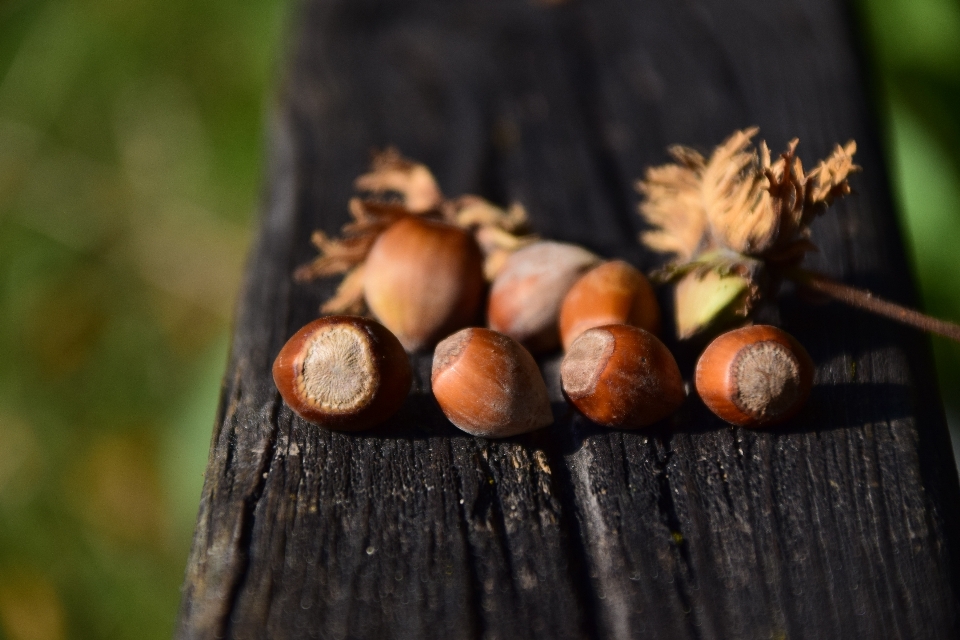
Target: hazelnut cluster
(422,264)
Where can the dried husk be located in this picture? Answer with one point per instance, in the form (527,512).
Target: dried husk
(736,214)
(395,179)
(396,187)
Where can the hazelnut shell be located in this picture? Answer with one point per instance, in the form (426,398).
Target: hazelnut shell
(754,376)
(488,385)
(526,295)
(423,279)
(621,376)
(611,293)
(343,372)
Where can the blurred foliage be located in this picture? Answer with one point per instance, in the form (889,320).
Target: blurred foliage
(130,158)
(130,150)
(914,48)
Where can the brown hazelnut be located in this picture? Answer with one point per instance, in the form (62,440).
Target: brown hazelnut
(526,295)
(754,376)
(488,385)
(611,293)
(621,376)
(343,372)
(424,279)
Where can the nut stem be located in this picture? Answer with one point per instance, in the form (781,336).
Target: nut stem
(863,299)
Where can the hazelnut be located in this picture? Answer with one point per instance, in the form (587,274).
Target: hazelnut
(621,376)
(754,376)
(343,372)
(423,279)
(611,293)
(488,385)
(526,295)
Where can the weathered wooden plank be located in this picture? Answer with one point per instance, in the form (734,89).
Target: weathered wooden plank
(841,524)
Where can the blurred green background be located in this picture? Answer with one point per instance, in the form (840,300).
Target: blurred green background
(130,163)
(914,49)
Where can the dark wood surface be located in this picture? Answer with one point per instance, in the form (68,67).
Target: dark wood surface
(842,524)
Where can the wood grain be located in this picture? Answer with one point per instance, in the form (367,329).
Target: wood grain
(843,523)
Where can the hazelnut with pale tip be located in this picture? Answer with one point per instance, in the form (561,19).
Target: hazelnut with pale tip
(621,376)
(754,376)
(343,372)
(488,385)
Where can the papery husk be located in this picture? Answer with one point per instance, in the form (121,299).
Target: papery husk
(394,188)
(474,212)
(737,214)
(736,200)
(499,232)
(348,254)
(761,208)
(339,255)
(349,298)
(398,180)
(673,205)
(739,199)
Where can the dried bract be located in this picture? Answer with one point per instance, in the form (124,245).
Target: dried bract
(499,232)
(673,205)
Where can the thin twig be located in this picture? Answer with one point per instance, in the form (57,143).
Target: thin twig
(863,299)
